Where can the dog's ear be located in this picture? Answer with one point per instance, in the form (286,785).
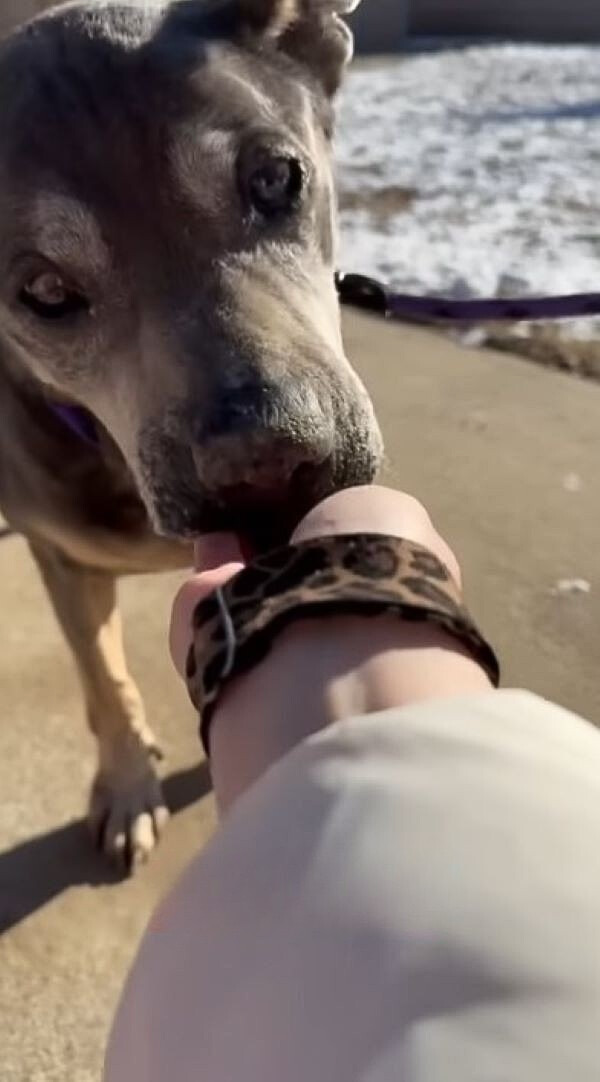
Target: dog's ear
(312,32)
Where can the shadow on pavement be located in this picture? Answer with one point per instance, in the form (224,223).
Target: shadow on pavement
(36,871)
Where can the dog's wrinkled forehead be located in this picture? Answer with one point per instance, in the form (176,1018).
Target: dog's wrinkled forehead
(108,100)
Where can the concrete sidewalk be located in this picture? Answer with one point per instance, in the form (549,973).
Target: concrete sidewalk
(506,455)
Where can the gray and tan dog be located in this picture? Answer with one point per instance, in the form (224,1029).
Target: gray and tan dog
(167,236)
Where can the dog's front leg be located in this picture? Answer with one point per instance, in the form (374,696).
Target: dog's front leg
(127,811)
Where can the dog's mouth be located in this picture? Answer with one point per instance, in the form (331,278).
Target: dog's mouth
(262,517)
(261,520)
(261,514)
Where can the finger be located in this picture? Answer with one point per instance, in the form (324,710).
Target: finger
(375,509)
(358,510)
(190,595)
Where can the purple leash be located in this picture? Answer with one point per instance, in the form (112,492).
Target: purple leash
(363,292)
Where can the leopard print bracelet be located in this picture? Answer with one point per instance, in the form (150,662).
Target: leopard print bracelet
(363,574)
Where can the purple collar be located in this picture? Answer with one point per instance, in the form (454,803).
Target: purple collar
(78,420)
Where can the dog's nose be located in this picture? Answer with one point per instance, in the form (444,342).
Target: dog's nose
(260,461)
(259,437)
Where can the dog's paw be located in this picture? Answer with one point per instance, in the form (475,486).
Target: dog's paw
(127,812)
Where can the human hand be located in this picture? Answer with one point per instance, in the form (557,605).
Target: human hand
(320,671)
(368,509)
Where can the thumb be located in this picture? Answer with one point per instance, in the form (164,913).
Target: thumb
(189,596)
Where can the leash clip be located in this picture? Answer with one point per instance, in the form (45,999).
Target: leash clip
(363,292)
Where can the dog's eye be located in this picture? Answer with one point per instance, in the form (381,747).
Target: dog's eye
(275,184)
(49,296)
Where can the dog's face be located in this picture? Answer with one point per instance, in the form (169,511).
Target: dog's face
(167,249)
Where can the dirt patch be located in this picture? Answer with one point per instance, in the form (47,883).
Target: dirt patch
(380,203)
(546,344)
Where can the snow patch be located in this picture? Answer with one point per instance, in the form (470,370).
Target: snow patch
(475,172)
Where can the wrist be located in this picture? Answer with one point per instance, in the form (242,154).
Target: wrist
(402,664)
(322,671)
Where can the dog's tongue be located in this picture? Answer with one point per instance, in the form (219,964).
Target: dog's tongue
(216,550)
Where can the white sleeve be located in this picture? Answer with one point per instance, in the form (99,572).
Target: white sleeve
(407,897)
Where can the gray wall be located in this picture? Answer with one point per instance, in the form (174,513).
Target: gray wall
(380,26)
(542,19)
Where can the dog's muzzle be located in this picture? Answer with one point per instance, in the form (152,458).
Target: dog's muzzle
(269,455)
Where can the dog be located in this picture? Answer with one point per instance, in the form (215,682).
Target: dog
(167,251)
